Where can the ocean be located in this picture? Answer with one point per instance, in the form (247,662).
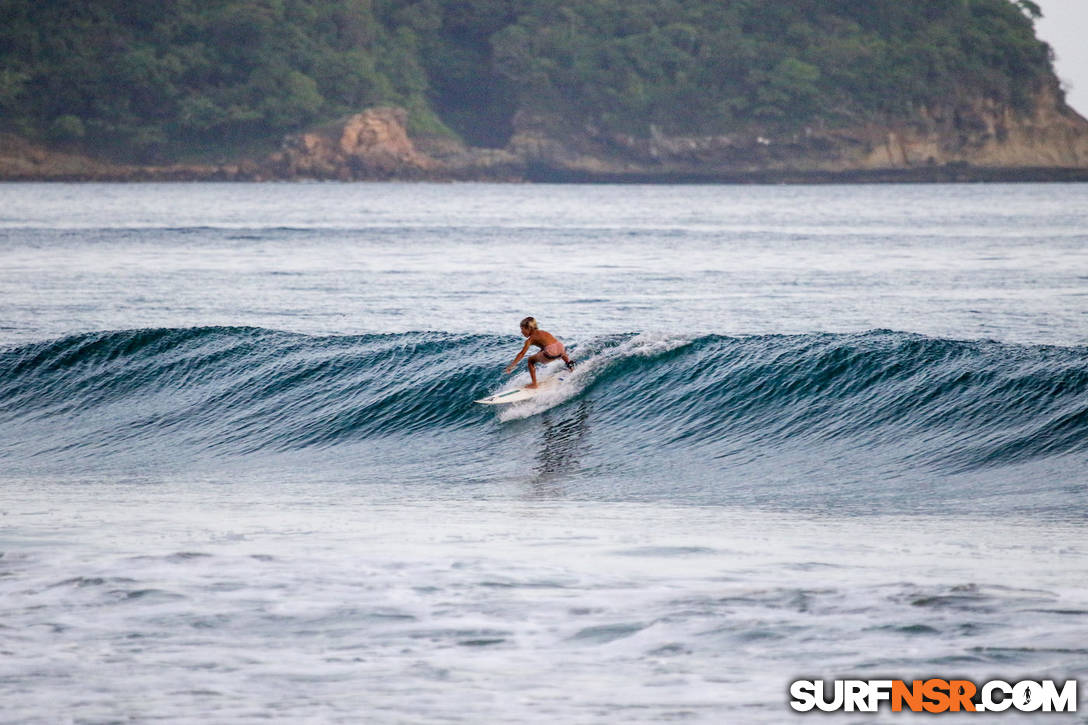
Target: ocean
(814,432)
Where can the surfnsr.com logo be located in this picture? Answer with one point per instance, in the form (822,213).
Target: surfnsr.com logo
(933,695)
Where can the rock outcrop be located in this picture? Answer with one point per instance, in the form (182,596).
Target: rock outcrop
(981,141)
(372,145)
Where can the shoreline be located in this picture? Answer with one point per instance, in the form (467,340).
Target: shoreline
(949,174)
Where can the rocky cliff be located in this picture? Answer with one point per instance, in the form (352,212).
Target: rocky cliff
(980,141)
(983,140)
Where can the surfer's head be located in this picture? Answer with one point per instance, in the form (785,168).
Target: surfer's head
(528,326)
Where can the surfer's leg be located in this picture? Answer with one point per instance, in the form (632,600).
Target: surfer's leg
(533,360)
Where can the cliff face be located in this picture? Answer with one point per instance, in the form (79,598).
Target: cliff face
(982,140)
(992,139)
(985,135)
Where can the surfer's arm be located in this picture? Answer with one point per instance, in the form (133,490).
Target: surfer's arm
(525,349)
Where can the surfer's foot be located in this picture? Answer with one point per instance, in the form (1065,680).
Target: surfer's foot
(530,386)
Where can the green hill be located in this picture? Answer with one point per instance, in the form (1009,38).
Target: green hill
(159,79)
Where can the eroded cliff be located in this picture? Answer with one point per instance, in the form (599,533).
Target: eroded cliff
(980,141)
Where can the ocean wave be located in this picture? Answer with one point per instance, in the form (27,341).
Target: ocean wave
(946,404)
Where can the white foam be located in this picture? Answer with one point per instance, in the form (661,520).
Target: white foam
(223,601)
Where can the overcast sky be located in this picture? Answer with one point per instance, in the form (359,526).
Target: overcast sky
(1065,27)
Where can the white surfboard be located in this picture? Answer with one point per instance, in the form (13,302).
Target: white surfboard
(517,395)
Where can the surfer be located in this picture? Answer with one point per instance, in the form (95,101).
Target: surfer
(550,349)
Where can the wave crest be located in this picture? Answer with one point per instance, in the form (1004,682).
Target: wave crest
(949,404)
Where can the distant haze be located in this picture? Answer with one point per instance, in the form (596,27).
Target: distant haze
(1064,25)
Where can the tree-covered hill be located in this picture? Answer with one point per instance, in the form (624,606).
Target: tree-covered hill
(156,79)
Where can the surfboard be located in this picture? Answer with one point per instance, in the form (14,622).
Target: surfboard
(517,395)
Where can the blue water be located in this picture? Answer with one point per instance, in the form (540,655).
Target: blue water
(836,430)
